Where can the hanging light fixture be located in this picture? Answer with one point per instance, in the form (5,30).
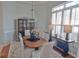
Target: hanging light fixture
(32,10)
(32,17)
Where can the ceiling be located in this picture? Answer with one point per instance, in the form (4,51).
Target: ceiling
(42,2)
(36,2)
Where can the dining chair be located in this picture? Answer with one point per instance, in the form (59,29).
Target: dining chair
(44,35)
(21,41)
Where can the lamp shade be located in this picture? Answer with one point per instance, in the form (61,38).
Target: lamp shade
(67,28)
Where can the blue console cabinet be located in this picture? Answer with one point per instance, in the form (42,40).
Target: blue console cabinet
(62,45)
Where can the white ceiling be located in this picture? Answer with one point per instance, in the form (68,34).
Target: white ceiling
(36,2)
(42,2)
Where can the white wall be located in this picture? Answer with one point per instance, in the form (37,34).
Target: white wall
(1,24)
(9,11)
(8,20)
(41,14)
(23,10)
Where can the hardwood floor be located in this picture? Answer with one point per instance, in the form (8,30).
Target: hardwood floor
(5,51)
(69,56)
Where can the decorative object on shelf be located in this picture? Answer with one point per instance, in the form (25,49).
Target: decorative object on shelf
(67,30)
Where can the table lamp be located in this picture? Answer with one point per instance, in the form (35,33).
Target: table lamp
(50,31)
(67,30)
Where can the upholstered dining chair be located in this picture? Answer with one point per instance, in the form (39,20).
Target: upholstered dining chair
(25,52)
(21,40)
(44,35)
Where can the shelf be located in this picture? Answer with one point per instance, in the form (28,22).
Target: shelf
(26,24)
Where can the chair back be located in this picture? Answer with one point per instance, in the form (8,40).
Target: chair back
(21,40)
(45,36)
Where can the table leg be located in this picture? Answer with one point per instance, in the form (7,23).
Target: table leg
(37,48)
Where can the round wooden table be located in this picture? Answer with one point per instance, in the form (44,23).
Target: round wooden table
(35,44)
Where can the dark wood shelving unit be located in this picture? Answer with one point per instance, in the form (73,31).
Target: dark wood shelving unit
(24,24)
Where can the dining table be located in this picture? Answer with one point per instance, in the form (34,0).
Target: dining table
(34,44)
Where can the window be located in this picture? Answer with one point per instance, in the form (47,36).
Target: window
(68,15)
(53,31)
(71,4)
(74,34)
(73,16)
(59,15)
(77,17)
(63,34)
(58,29)
(53,18)
(58,8)
(75,23)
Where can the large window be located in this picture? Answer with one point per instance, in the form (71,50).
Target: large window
(75,23)
(59,15)
(71,4)
(66,17)
(58,8)
(53,18)
(68,14)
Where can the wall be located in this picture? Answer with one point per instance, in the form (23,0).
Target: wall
(23,10)
(1,24)
(41,14)
(8,20)
(9,11)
